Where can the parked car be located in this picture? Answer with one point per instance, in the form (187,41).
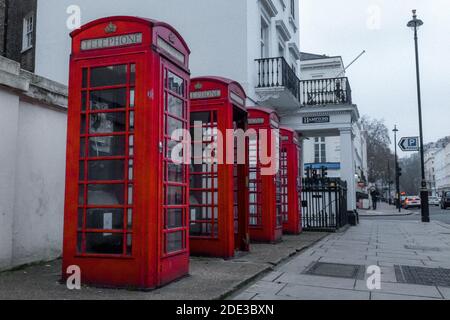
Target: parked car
(412,202)
(445,201)
(434,201)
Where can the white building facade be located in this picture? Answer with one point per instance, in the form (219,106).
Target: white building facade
(442,169)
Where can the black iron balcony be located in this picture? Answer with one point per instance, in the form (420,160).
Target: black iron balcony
(326,91)
(276,73)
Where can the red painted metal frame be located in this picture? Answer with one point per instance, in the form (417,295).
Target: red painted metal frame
(231,190)
(291,181)
(146,264)
(265,207)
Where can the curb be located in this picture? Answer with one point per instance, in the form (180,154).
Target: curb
(271,267)
(388,215)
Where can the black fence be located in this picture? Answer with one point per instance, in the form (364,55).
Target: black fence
(324,202)
(276,72)
(326,91)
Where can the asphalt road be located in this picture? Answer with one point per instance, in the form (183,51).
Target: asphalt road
(436,214)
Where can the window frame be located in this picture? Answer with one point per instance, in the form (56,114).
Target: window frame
(28,32)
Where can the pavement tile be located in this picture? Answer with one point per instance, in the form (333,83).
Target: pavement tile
(245,296)
(402,288)
(317,281)
(266,287)
(316,293)
(445,292)
(272,276)
(392,297)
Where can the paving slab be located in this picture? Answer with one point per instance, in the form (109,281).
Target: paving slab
(403,289)
(315,293)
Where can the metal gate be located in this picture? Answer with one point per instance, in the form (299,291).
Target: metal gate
(324,202)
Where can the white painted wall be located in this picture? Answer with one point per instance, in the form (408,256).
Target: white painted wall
(224,36)
(32,167)
(442,169)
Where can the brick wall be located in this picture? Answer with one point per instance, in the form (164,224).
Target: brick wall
(16,14)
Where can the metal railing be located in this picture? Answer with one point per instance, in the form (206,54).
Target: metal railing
(324,202)
(326,91)
(276,72)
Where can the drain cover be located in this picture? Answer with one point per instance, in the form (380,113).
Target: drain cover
(335,270)
(423,276)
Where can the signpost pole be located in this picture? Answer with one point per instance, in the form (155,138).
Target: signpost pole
(397,177)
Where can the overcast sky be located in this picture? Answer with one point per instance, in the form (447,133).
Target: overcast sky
(383,80)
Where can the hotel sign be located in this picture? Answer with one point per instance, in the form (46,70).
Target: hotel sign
(111,42)
(317,119)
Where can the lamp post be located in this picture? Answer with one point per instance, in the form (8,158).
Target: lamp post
(415,23)
(397,176)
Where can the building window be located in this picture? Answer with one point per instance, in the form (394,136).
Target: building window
(320,153)
(293,8)
(28,29)
(264,38)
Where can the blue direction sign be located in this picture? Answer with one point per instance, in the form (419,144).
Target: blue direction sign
(409,144)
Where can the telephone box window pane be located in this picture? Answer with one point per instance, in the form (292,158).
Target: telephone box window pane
(204,117)
(175,172)
(82,176)
(79,242)
(176,84)
(174,195)
(83,100)
(83,124)
(132,98)
(130,169)
(107,146)
(133,73)
(104,219)
(171,144)
(107,122)
(131,145)
(174,242)
(104,243)
(82,147)
(174,218)
(131,121)
(172,125)
(129,244)
(80,218)
(84,83)
(108,76)
(106,194)
(81,194)
(106,170)
(109,99)
(130,194)
(130,218)
(175,106)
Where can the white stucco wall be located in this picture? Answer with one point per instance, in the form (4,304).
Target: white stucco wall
(32,166)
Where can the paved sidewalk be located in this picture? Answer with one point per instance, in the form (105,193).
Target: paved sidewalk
(373,242)
(383,209)
(209,278)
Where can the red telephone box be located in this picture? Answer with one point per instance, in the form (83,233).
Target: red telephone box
(266,220)
(218,192)
(290,158)
(126,222)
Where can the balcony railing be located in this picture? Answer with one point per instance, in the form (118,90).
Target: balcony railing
(276,73)
(326,91)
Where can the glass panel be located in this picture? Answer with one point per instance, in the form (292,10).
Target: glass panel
(130,169)
(106,170)
(131,121)
(131,145)
(83,124)
(80,218)
(79,242)
(174,242)
(108,76)
(174,195)
(132,73)
(104,243)
(176,84)
(83,100)
(107,122)
(174,218)
(132,98)
(109,99)
(172,125)
(84,83)
(81,194)
(82,147)
(81,166)
(130,194)
(171,144)
(175,106)
(129,244)
(130,218)
(175,172)
(105,194)
(107,146)
(104,219)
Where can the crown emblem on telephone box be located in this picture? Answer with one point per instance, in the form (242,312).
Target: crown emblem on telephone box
(111,28)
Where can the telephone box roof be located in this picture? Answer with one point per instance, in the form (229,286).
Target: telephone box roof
(221,80)
(146,21)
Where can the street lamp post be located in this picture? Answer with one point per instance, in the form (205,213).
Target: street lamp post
(397,176)
(415,23)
